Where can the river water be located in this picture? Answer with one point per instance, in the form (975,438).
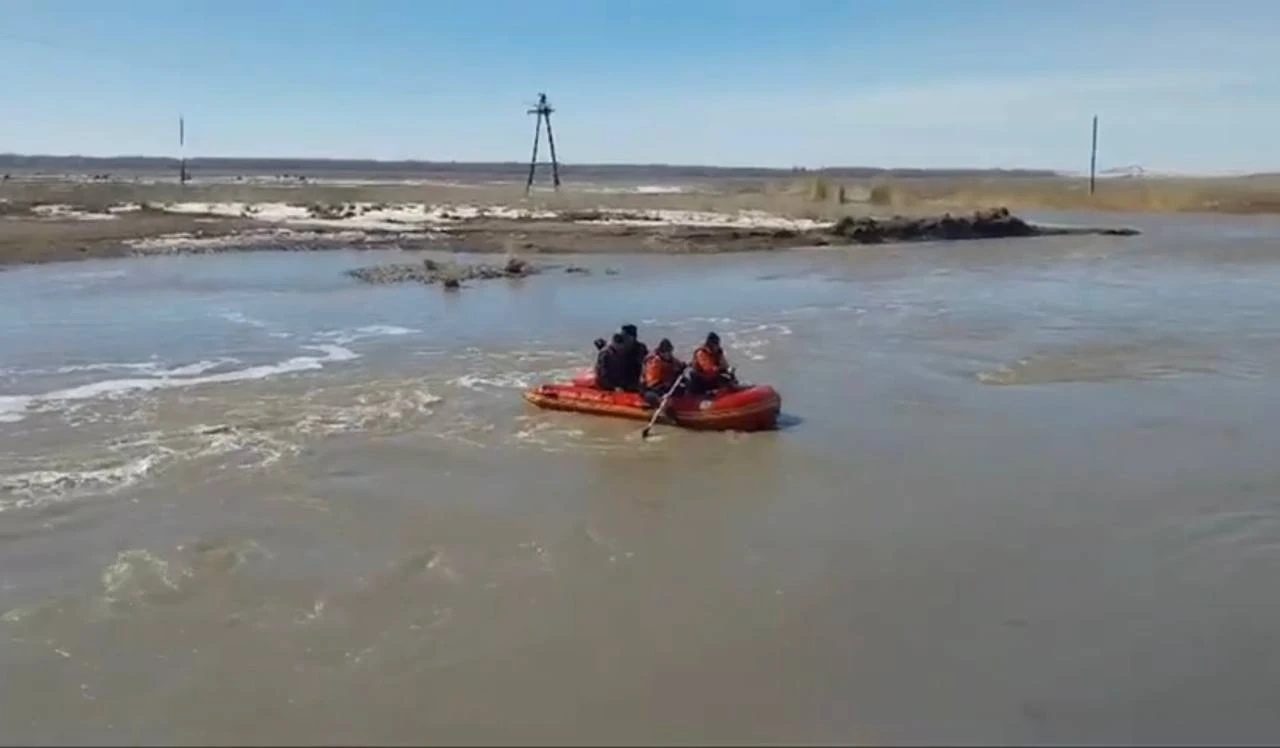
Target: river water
(1024,491)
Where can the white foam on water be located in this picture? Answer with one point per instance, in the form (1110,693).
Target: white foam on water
(344,337)
(138,366)
(37,486)
(806,311)
(137,575)
(194,369)
(90,275)
(366,412)
(379,330)
(536,356)
(240,318)
(254,436)
(509,380)
(548,435)
(154,367)
(70,213)
(14,407)
(560,433)
(774,327)
(749,341)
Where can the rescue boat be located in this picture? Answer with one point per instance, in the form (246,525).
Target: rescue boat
(744,408)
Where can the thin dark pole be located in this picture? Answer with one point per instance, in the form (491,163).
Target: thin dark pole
(533,161)
(182,150)
(551,141)
(1093,157)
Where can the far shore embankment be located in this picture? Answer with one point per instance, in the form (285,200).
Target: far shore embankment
(50,220)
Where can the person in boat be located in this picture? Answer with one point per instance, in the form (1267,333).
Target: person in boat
(661,372)
(633,355)
(711,371)
(609,363)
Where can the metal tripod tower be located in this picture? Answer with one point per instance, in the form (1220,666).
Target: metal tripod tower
(543,110)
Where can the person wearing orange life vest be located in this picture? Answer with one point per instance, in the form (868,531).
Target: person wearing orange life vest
(660,372)
(710,369)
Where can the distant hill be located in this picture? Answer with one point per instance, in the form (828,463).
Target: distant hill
(10,162)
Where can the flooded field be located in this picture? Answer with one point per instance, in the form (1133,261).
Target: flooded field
(1025,491)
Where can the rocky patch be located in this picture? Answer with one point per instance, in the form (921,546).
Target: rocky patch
(996,223)
(448,275)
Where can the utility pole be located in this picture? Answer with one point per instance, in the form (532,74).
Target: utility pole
(182,152)
(1093,157)
(543,111)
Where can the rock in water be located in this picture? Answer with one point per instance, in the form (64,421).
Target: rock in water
(516,266)
(451,276)
(996,223)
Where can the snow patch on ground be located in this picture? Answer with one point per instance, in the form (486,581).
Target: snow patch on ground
(367,216)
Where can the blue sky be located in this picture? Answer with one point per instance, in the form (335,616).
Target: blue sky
(1179,86)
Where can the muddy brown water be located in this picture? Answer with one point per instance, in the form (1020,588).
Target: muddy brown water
(1023,492)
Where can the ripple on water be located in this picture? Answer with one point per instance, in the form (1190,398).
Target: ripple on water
(234,428)
(1107,362)
(14,408)
(251,433)
(139,578)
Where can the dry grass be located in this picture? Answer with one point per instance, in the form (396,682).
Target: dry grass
(814,196)
(1243,195)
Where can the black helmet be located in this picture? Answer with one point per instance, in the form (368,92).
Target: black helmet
(664,346)
(713,339)
(630,330)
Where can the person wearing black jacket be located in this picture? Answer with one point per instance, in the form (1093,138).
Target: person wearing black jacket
(632,354)
(610,369)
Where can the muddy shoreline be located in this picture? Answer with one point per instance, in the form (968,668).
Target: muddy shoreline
(35,231)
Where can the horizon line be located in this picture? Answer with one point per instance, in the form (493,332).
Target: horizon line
(12,156)
(355,161)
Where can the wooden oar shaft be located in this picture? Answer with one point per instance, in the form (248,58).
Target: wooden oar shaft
(662,405)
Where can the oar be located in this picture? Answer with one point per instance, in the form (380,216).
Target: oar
(663,404)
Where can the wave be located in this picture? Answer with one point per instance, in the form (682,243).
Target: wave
(154,367)
(35,485)
(507,380)
(254,436)
(240,318)
(14,408)
(344,337)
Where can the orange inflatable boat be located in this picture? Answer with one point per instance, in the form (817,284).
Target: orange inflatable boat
(746,408)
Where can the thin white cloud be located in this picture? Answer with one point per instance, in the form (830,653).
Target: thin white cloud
(1195,119)
(988,101)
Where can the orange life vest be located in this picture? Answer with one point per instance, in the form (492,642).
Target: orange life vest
(658,371)
(709,363)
